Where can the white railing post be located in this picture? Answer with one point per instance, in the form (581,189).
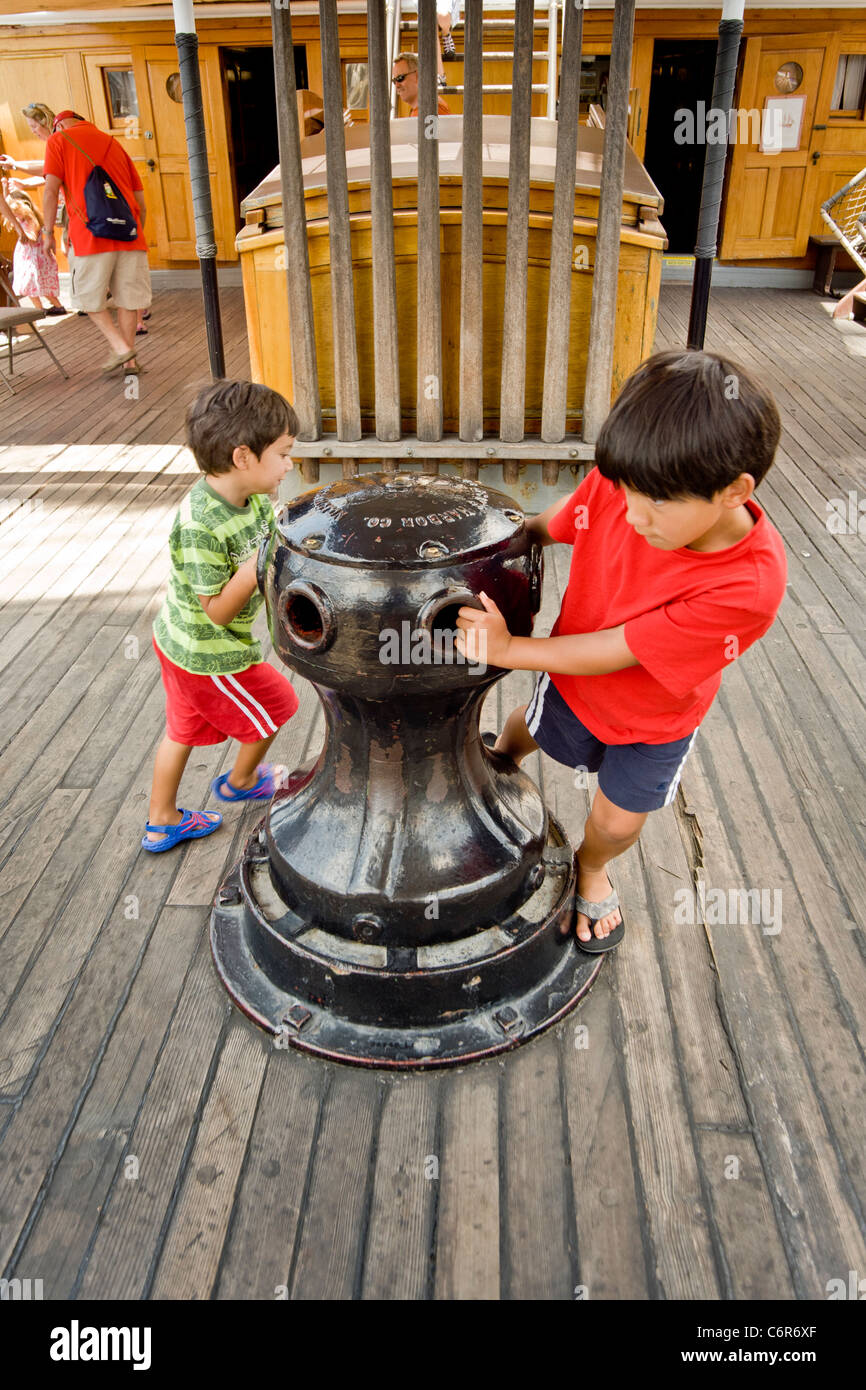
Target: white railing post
(552,26)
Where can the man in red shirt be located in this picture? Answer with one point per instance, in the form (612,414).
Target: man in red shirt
(101,265)
(675,571)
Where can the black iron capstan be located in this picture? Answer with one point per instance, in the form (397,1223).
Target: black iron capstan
(407,900)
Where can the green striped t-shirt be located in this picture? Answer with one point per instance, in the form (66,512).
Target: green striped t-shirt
(209,540)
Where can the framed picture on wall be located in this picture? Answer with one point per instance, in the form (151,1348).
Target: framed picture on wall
(782,124)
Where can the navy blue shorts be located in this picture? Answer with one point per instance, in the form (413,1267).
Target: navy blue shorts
(634,776)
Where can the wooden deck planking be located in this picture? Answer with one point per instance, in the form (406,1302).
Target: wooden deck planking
(257,1254)
(263,1172)
(94,1156)
(91,408)
(404,1198)
(467,1246)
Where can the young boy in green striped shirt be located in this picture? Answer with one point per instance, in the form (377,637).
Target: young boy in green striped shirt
(216,684)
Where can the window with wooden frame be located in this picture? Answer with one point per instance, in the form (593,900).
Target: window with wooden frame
(356,89)
(121,97)
(849,88)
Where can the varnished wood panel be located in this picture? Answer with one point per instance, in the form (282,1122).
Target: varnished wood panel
(268,323)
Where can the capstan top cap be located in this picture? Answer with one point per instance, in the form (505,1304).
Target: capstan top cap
(400,520)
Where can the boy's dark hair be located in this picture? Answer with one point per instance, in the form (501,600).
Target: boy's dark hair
(686,424)
(228,413)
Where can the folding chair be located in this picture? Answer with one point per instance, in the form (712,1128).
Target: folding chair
(15,316)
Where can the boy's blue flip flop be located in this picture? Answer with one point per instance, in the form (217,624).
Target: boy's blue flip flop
(271,776)
(595,911)
(191,826)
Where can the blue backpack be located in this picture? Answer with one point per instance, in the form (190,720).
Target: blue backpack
(108,213)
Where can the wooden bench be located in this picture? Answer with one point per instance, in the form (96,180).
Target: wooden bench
(826,250)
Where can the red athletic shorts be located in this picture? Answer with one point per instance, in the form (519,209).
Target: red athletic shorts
(248,706)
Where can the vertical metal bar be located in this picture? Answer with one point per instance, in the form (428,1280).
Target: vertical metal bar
(429,393)
(385,354)
(562,231)
(186,42)
(513,381)
(342,284)
(302,338)
(602,322)
(552,27)
(727,53)
(471,239)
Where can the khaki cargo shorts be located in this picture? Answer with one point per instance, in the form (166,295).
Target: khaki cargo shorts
(125,273)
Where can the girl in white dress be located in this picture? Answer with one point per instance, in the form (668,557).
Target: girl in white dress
(34,270)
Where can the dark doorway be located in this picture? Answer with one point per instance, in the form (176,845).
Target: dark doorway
(682,76)
(251,110)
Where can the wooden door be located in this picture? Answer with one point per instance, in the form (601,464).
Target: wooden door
(167,164)
(839,143)
(772,196)
(124,123)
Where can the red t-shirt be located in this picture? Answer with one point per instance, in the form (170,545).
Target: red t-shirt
(687,614)
(441,105)
(73,169)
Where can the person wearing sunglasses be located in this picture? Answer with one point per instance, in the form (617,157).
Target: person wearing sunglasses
(404,75)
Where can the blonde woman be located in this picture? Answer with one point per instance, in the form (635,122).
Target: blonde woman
(40,119)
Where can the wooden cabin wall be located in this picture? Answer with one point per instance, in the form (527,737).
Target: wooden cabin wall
(63,67)
(269,328)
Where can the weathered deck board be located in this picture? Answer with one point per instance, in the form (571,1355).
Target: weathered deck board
(95,1154)
(258,1253)
(694,1129)
(467,1235)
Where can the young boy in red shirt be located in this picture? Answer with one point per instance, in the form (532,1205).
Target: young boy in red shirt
(216,684)
(675,571)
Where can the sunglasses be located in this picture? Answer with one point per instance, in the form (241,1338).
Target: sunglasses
(402,78)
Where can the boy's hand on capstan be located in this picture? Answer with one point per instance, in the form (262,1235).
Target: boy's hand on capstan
(483,637)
